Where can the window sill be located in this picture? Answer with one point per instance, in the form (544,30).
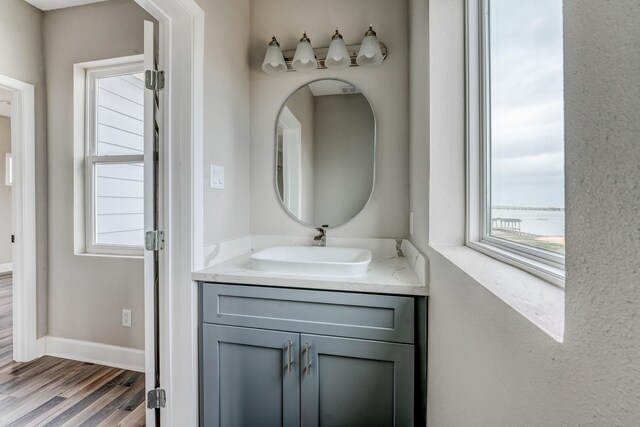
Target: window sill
(96,255)
(537,300)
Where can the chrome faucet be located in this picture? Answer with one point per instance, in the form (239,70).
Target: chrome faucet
(321,238)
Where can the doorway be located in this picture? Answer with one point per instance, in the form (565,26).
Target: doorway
(19,221)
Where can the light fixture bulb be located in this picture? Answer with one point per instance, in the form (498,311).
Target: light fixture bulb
(370,54)
(273,59)
(337,55)
(304,58)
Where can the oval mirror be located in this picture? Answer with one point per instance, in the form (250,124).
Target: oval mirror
(325,153)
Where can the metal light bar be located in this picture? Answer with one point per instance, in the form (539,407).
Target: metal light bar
(321,54)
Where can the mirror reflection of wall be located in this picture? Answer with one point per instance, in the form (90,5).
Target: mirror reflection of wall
(325,154)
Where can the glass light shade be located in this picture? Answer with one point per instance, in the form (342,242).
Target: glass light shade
(370,53)
(338,55)
(274,60)
(304,58)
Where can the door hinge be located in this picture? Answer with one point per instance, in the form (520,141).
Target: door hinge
(154,80)
(156,398)
(154,240)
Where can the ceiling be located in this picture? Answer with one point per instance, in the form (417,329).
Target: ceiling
(5,109)
(59,4)
(332,87)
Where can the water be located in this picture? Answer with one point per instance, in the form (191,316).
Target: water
(538,222)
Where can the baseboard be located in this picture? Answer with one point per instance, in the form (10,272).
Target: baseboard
(7,267)
(92,352)
(41,346)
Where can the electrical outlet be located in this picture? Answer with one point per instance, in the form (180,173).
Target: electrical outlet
(216,177)
(126,317)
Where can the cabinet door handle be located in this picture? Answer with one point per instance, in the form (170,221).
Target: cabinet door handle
(289,361)
(307,353)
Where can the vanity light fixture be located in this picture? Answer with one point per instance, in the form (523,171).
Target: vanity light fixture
(274,60)
(338,55)
(370,53)
(305,57)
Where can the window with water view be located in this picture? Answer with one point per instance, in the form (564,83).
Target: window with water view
(525,132)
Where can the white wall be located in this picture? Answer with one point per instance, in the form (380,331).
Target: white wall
(226,118)
(6,255)
(488,365)
(386,215)
(22,59)
(86,293)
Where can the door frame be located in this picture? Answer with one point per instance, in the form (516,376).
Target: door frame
(181,52)
(23,221)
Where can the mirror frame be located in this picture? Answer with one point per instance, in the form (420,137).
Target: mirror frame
(375,155)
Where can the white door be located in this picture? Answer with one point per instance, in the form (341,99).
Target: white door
(152,220)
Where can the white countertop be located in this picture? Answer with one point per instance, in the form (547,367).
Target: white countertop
(386,275)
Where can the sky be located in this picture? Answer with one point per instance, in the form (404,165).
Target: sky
(527,121)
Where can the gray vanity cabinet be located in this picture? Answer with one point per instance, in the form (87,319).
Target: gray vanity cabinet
(287,357)
(348,382)
(248,377)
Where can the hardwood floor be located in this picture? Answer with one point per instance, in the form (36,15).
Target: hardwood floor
(50,391)
(6,319)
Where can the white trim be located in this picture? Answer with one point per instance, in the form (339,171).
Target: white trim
(291,146)
(41,345)
(182,59)
(93,352)
(24,217)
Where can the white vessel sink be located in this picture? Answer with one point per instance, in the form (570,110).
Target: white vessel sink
(312,261)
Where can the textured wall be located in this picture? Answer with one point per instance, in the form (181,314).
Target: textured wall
(86,293)
(386,87)
(488,365)
(22,59)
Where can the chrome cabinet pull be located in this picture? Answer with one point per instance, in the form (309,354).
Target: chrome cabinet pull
(307,352)
(290,362)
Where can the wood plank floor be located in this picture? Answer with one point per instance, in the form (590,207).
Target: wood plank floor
(6,319)
(50,391)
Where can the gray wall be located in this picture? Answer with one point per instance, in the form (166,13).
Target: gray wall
(22,59)
(488,365)
(86,293)
(344,134)
(419,120)
(302,105)
(6,255)
(387,87)
(227,118)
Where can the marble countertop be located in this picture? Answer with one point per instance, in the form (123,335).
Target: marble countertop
(386,275)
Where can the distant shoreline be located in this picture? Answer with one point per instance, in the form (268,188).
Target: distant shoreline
(525,208)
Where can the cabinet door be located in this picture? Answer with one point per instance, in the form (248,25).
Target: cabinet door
(250,377)
(353,383)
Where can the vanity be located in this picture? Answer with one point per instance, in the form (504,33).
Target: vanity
(305,356)
(317,333)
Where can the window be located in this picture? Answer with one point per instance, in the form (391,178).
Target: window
(516,133)
(114,162)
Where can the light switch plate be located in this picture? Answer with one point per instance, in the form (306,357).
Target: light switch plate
(216,177)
